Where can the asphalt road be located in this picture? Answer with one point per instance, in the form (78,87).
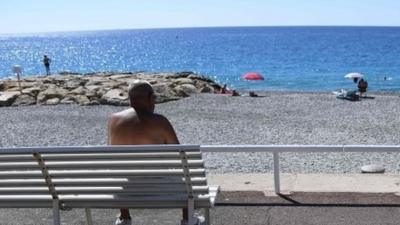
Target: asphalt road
(250,208)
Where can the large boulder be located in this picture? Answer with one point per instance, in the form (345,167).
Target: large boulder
(75,83)
(184,81)
(92,95)
(115,97)
(82,100)
(93,87)
(8,97)
(52,101)
(112,84)
(78,91)
(164,93)
(68,100)
(50,94)
(185,90)
(3,85)
(24,99)
(32,91)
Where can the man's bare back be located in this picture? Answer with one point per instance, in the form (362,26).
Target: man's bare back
(129,128)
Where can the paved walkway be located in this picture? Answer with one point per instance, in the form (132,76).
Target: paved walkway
(365,183)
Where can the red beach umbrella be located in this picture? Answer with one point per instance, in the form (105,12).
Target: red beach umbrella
(253,76)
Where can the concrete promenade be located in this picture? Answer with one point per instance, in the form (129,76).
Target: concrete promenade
(360,183)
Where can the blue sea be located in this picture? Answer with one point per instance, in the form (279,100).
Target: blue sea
(290,58)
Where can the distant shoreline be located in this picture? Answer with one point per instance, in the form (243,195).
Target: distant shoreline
(240,90)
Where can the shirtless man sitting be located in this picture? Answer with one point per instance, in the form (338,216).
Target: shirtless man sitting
(139,125)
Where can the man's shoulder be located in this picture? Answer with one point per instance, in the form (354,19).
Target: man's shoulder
(160,118)
(121,114)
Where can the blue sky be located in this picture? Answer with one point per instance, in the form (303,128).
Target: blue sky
(26,16)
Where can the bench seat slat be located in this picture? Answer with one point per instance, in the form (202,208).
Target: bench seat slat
(118,201)
(137,204)
(122,192)
(101,197)
(100,205)
(128,190)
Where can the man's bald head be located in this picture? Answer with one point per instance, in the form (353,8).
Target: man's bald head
(141,95)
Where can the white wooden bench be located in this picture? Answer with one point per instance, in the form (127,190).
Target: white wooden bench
(147,176)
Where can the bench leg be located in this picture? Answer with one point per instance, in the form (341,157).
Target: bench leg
(88,213)
(190,211)
(207,216)
(56,212)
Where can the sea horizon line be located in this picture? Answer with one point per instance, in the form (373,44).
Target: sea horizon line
(195,27)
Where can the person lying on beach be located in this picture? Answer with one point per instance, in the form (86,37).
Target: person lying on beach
(139,125)
(235,93)
(226,91)
(252,94)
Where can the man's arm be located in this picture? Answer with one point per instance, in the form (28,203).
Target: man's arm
(169,133)
(109,129)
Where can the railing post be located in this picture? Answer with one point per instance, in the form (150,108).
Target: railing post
(276,173)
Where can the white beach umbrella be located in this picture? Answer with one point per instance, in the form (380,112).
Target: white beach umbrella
(354,75)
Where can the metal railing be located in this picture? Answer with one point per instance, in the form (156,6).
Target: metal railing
(276,149)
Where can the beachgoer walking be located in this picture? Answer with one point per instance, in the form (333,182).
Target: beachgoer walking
(46,62)
(362,86)
(139,125)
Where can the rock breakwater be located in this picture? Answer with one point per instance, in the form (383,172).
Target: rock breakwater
(100,88)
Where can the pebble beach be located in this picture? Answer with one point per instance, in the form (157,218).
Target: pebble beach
(207,119)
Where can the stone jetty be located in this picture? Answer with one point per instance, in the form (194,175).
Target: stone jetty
(100,88)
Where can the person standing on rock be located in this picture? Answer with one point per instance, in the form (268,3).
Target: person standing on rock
(139,125)
(46,62)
